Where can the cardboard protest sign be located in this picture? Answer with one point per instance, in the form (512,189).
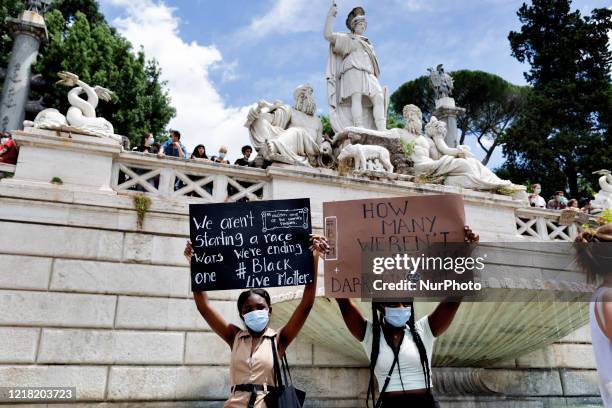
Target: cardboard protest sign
(391,225)
(250,244)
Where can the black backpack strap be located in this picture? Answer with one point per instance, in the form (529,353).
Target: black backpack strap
(387,381)
(286,370)
(388,378)
(277,371)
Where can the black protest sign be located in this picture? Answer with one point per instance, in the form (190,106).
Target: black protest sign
(250,244)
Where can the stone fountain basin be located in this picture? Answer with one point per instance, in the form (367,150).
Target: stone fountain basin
(535,296)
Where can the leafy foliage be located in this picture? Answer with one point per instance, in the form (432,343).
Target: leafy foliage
(80,41)
(8,8)
(491,104)
(564,133)
(327,129)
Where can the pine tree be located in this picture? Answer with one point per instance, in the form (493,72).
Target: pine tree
(491,105)
(80,41)
(563,135)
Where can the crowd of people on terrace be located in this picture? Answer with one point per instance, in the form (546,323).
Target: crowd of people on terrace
(557,202)
(174,148)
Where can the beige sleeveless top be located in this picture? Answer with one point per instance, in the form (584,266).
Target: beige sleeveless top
(247,369)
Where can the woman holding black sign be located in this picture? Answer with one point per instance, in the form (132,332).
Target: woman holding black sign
(400,347)
(252,357)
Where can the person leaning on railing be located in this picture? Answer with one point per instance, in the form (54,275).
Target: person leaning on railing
(246,154)
(199,153)
(147,144)
(174,147)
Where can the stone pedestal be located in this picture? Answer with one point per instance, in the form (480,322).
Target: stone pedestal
(75,161)
(29,31)
(448,112)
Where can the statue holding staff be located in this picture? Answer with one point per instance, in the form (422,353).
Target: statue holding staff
(355,95)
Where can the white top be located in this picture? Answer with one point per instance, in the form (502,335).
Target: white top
(537,201)
(602,348)
(409,361)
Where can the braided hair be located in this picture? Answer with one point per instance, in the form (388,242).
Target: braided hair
(377,316)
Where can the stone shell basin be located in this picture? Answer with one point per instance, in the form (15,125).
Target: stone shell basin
(538,298)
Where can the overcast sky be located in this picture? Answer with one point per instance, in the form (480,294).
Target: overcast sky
(221,56)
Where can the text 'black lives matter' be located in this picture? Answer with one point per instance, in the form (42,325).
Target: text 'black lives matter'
(250,244)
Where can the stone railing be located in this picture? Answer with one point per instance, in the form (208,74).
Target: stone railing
(543,225)
(189,179)
(7,168)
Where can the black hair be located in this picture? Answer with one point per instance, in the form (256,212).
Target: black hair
(144,138)
(176,133)
(197,155)
(244,148)
(376,329)
(247,293)
(592,249)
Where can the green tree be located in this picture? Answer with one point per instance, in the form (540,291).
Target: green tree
(69,9)
(563,135)
(81,41)
(394,118)
(8,8)
(491,105)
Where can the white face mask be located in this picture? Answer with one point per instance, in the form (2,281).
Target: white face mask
(3,140)
(151,140)
(221,155)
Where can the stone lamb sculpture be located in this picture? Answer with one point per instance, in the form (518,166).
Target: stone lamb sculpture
(362,153)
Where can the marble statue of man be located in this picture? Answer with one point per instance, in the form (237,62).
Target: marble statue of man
(431,156)
(287,134)
(355,95)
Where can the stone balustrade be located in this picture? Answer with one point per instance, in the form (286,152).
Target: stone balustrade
(205,181)
(192,180)
(543,225)
(7,168)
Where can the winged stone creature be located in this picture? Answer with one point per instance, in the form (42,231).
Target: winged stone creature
(82,112)
(441,82)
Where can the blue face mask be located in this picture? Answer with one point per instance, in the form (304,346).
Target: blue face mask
(397,316)
(257,320)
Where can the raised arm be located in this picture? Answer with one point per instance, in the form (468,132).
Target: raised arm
(442,317)
(353,318)
(215,320)
(290,330)
(329,23)
(603,313)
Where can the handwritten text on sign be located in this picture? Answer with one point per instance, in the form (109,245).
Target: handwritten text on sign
(250,244)
(395,225)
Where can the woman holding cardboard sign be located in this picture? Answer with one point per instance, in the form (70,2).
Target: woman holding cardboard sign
(400,347)
(253,357)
